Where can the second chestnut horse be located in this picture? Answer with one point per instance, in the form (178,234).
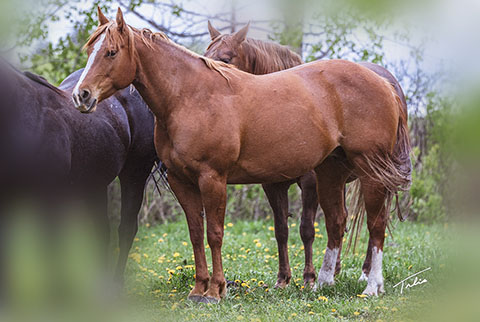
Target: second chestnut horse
(259,58)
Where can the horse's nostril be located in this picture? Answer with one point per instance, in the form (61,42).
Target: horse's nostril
(85,94)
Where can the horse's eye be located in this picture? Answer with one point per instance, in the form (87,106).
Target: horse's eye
(111,53)
(226,60)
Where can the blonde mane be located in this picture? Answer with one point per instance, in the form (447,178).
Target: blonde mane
(149,38)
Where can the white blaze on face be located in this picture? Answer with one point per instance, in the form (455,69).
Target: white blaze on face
(90,62)
(375,277)
(327,272)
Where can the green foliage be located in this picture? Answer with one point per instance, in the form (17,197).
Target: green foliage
(432,168)
(427,201)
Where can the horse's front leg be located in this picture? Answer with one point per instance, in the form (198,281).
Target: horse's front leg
(277,195)
(308,184)
(190,199)
(213,189)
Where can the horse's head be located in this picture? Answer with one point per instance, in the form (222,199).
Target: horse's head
(111,65)
(228,47)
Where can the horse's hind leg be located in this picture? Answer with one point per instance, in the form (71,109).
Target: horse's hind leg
(374,195)
(331,177)
(132,181)
(367,263)
(277,195)
(308,184)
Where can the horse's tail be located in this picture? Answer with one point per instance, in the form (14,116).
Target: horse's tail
(393,170)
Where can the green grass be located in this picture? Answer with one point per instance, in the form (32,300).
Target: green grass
(160,275)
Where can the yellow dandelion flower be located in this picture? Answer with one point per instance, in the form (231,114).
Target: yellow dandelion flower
(323,298)
(362,295)
(136,257)
(394,309)
(147,225)
(258,244)
(136,239)
(184,243)
(267,250)
(261,283)
(179,268)
(160,240)
(271,228)
(315,224)
(323,251)
(409,267)
(293,225)
(334,310)
(311,313)
(317,230)
(229,224)
(356,313)
(176,254)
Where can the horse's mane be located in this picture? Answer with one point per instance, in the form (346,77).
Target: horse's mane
(267,57)
(42,81)
(264,57)
(149,37)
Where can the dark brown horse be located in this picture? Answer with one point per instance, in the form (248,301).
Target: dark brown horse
(259,58)
(51,153)
(217,125)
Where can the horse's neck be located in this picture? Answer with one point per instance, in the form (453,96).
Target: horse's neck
(165,75)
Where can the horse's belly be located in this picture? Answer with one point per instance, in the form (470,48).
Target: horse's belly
(279,163)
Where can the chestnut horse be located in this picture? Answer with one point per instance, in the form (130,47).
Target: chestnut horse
(259,58)
(51,153)
(217,125)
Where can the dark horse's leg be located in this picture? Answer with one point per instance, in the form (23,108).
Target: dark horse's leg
(97,203)
(277,195)
(308,184)
(332,175)
(3,258)
(132,180)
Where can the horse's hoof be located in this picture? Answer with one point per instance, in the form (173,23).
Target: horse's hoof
(196,298)
(309,284)
(324,281)
(210,300)
(363,277)
(281,284)
(374,290)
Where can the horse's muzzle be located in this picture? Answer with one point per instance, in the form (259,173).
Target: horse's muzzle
(84,102)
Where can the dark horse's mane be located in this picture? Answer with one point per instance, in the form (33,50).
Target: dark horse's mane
(42,81)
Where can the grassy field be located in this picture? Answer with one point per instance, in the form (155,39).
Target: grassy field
(161,273)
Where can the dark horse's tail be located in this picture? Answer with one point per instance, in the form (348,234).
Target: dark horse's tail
(392,170)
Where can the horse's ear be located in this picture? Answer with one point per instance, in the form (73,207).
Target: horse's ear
(120,20)
(102,20)
(241,35)
(214,33)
